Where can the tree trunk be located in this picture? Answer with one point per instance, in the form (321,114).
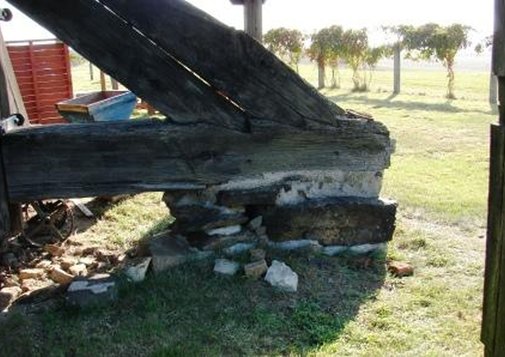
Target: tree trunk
(450,82)
(321,70)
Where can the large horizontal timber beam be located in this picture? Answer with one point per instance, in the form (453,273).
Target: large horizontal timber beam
(149,155)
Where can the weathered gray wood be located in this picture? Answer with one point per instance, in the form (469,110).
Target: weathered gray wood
(229,61)
(124,53)
(493,89)
(499,39)
(124,157)
(14,103)
(5,219)
(494,288)
(333,221)
(397,69)
(253,19)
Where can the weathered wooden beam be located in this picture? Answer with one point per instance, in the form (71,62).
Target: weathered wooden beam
(499,39)
(134,156)
(127,55)
(229,60)
(493,316)
(253,19)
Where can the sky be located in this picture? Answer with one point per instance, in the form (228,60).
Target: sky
(310,15)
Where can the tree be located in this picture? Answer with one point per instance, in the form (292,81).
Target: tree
(335,53)
(432,41)
(372,57)
(325,48)
(285,43)
(355,51)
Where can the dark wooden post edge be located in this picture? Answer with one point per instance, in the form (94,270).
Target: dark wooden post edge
(5,216)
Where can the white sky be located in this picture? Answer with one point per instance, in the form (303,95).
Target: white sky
(310,15)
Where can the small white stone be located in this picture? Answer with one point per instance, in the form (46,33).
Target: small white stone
(334,250)
(239,248)
(137,272)
(366,248)
(281,276)
(226,267)
(225,231)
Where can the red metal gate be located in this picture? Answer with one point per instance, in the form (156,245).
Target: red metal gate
(43,73)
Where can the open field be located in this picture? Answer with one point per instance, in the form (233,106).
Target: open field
(439,177)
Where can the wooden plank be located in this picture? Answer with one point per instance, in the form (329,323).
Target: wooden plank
(231,61)
(16,104)
(499,39)
(148,155)
(68,68)
(121,51)
(494,240)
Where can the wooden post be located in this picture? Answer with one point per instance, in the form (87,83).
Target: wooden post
(114,84)
(253,17)
(493,315)
(103,84)
(91,74)
(397,69)
(493,89)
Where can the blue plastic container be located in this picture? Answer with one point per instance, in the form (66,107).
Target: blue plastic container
(98,106)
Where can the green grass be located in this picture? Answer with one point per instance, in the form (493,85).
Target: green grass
(439,177)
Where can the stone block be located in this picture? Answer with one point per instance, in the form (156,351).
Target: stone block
(60,276)
(226,267)
(168,251)
(400,269)
(98,289)
(280,276)
(8,295)
(78,270)
(238,248)
(195,218)
(225,231)
(257,254)
(206,242)
(255,223)
(255,270)
(335,221)
(137,269)
(34,273)
(266,195)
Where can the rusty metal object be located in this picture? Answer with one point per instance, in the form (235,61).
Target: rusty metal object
(47,222)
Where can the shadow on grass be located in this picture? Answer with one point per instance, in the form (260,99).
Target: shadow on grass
(189,311)
(388,102)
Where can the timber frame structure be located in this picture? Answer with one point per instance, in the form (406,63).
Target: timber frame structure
(233,112)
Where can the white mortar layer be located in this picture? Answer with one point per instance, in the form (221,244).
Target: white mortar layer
(331,250)
(313,184)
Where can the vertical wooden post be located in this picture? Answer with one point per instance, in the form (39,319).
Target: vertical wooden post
(103,84)
(493,89)
(253,17)
(91,74)
(114,84)
(397,69)
(493,315)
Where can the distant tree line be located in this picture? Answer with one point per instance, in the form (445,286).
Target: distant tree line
(331,46)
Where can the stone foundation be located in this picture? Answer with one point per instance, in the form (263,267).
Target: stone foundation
(331,211)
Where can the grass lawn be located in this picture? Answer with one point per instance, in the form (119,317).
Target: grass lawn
(439,177)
